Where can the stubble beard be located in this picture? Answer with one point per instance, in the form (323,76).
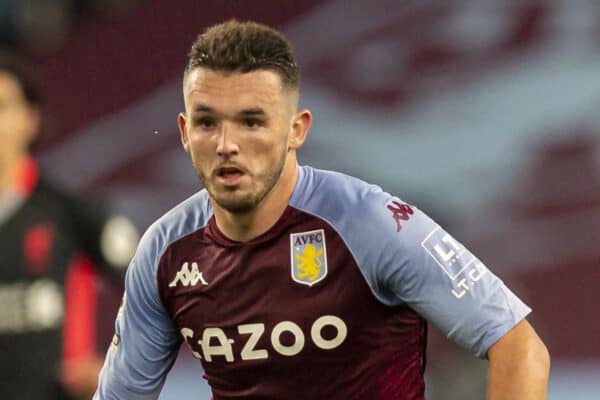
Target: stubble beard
(237,203)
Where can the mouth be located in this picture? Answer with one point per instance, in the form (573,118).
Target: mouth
(229,175)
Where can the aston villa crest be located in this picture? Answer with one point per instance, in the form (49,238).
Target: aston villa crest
(309,256)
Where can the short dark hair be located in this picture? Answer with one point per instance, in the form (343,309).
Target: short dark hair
(16,66)
(235,46)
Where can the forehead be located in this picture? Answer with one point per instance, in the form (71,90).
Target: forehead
(232,91)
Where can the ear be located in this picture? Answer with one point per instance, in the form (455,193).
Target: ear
(299,129)
(181,123)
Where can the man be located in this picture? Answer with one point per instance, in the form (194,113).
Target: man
(50,244)
(290,282)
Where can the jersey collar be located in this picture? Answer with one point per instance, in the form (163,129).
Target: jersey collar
(23,184)
(26,177)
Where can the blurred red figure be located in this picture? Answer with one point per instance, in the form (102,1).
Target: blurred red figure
(52,245)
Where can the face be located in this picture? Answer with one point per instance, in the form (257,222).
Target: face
(239,130)
(18,121)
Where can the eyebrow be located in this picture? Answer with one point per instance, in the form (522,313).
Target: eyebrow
(252,112)
(257,111)
(202,108)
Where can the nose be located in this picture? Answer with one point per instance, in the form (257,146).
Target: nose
(227,145)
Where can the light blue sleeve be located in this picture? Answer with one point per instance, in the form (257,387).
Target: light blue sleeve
(146,342)
(423,266)
(407,258)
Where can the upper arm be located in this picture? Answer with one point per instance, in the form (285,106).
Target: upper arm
(406,258)
(146,341)
(422,265)
(520,340)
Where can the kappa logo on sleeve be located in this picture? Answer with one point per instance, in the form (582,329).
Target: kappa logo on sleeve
(188,277)
(309,257)
(400,212)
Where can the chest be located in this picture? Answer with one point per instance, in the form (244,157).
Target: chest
(290,274)
(36,251)
(35,244)
(299,291)
(294,308)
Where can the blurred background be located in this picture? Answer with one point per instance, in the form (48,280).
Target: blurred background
(483,113)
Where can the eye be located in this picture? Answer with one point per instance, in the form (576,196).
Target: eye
(252,122)
(205,122)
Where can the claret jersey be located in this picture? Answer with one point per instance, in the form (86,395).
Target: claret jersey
(330,303)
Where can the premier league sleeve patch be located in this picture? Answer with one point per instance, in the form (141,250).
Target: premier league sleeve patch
(308,256)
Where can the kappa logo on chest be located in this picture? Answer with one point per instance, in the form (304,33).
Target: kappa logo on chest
(188,277)
(308,253)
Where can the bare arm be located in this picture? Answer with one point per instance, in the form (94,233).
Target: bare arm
(519,365)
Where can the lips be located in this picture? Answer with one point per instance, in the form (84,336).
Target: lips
(229,175)
(222,171)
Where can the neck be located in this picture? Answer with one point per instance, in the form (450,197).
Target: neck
(244,227)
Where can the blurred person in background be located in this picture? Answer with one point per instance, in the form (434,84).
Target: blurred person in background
(52,245)
(290,282)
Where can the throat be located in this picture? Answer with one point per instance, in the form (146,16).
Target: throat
(246,226)
(243,227)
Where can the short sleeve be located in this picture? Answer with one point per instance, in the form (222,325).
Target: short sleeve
(425,267)
(146,342)
(407,258)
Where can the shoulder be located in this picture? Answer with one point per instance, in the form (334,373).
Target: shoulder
(348,203)
(82,217)
(55,195)
(185,218)
(381,231)
(82,212)
(107,237)
(325,191)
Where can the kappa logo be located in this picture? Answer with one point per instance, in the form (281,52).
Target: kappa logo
(309,257)
(188,277)
(400,212)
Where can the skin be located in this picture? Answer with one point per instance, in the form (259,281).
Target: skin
(221,127)
(80,377)
(519,366)
(242,131)
(19,124)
